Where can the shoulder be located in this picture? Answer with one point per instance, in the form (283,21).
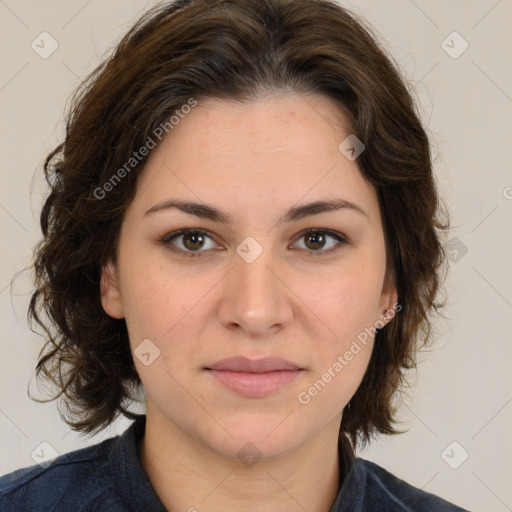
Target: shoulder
(381,487)
(73,481)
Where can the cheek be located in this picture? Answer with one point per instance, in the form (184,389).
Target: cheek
(155,297)
(346,302)
(329,390)
(158,310)
(169,310)
(343,347)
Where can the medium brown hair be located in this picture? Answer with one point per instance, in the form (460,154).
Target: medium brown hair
(234,50)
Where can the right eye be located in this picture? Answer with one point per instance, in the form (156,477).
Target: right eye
(191,239)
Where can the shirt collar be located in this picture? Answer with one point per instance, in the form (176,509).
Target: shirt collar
(134,484)
(131,479)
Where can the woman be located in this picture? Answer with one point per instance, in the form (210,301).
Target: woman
(244,224)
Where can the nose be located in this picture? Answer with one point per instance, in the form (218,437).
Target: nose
(255,297)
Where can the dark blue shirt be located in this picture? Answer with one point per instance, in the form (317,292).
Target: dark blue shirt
(109,476)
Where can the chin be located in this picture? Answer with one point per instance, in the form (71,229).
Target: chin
(252,441)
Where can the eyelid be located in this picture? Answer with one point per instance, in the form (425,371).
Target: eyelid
(340,237)
(330,232)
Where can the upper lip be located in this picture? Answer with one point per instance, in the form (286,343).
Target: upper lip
(263,365)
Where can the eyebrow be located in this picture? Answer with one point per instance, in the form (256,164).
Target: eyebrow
(206,211)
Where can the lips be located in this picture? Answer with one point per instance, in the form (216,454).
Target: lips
(264,365)
(254,378)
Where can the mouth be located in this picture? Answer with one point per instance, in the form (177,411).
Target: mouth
(263,365)
(254,378)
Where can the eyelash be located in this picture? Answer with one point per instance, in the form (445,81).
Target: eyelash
(167,239)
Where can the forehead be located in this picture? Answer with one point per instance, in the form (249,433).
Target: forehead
(282,149)
(281,122)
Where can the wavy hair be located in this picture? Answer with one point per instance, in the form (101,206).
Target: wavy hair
(236,50)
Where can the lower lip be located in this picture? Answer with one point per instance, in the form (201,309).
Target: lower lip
(255,385)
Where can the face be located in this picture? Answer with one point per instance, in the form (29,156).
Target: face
(256,286)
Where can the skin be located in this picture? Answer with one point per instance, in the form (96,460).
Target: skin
(254,161)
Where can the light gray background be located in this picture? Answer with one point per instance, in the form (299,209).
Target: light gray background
(462,391)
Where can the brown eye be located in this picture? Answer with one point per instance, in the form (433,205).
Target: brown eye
(192,241)
(317,239)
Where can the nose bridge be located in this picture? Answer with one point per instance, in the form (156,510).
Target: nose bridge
(256,298)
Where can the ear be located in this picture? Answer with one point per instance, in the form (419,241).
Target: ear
(388,304)
(109,290)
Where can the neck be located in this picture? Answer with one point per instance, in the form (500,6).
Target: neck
(189,476)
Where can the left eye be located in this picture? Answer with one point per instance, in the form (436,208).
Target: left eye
(193,240)
(318,236)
